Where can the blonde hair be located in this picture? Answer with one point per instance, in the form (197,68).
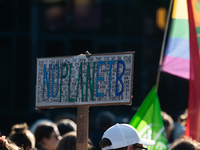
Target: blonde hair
(168,123)
(5,145)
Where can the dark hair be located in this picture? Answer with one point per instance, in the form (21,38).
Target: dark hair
(65,126)
(106,142)
(185,144)
(21,136)
(43,131)
(68,142)
(105,119)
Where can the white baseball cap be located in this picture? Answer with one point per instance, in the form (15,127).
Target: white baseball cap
(122,135)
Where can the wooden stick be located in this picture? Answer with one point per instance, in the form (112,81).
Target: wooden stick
(82,127)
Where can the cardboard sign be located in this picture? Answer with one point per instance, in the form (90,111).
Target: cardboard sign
(103,79)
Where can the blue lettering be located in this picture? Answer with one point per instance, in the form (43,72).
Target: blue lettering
(118,78)
(47,80)
(56,65)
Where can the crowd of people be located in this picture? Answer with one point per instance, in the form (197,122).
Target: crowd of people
(61,134)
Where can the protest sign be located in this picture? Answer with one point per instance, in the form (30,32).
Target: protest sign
(83,81)
(101,79)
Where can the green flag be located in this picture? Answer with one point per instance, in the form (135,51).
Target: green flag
(148,121)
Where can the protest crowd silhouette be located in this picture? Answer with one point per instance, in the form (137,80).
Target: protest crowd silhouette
(61,133)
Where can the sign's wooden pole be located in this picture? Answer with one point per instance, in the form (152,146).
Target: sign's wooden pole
(82,127)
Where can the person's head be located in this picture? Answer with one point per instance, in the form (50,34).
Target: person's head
(168,124)
(185,144)
(22,137)
(68,142)
(182,118)
(123,137)
(65,115)
(65,126)
(6,145)
(37,123)
(105,119)
(47,136)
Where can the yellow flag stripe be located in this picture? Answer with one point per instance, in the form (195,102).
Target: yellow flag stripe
(180,9)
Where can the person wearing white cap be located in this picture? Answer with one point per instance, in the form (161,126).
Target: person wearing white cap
(123,137)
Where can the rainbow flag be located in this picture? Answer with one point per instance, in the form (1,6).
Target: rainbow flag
(177,53)
(182,56)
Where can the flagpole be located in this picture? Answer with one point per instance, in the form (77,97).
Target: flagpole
(163,44)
